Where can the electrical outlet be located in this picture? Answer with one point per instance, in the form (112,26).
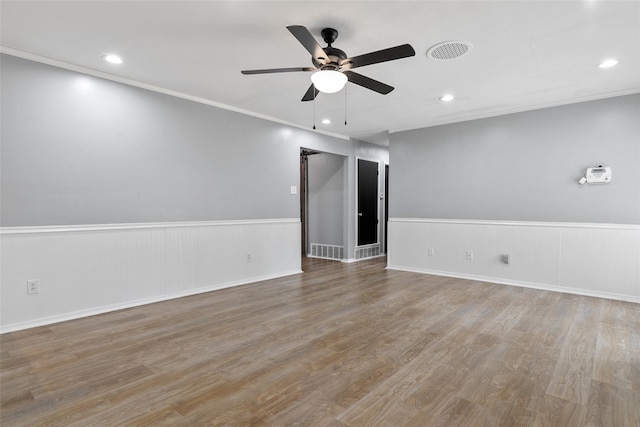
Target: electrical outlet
(33,286)
(431,252)
(249,257)
(470,255)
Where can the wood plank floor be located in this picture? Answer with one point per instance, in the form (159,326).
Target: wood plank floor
(340,345)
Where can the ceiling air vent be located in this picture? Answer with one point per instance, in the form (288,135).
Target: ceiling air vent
(449,50)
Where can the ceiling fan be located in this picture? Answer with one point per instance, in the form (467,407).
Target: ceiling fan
(332,66)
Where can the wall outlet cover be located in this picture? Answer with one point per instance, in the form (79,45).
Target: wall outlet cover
(33,286)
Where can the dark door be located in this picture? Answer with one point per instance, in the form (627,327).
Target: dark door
(367,202)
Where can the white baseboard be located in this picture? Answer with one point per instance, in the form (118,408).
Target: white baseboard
(131,304)
(501,281)
(350,260)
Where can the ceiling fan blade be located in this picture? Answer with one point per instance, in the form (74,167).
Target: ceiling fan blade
(311,94)
(384,55)
(309,42)
(277,70)
(368,82)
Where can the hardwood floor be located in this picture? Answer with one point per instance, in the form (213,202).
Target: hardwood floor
(340,345)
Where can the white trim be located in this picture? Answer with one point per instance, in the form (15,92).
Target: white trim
(520,223)
(80,69)
(130,304)
(521,284)
(158,89)
(326,259)
(514,110)
(350,260)
(384,215)
(137,226)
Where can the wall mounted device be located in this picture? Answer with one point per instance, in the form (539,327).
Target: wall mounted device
(599,175)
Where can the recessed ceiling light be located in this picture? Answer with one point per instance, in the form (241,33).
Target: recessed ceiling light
(446,98)
(326,121)
(113,59)
(608,63)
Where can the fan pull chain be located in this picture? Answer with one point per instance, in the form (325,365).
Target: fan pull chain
(314,107)
(345,105)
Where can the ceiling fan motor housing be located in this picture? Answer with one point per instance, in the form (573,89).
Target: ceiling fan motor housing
(334,55)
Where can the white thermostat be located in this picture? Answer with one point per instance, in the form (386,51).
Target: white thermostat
(599,175)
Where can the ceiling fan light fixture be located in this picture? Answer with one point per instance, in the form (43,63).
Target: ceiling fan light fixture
(329,81)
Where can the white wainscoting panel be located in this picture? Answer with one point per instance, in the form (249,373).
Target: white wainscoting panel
(600,260)
(86,270)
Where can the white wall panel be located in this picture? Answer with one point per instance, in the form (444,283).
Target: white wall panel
(85,270)
(591,259)
(600,259)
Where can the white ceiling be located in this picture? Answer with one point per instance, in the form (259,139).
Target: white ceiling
(526,54)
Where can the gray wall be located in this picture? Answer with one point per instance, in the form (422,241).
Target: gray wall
(77,149)
(522,167)
(326,185)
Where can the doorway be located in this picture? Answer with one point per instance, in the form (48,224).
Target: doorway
(367,202)
(323,179)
